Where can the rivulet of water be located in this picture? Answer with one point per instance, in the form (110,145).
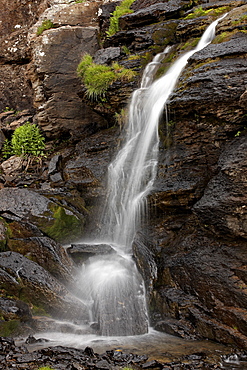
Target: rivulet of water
(111,285)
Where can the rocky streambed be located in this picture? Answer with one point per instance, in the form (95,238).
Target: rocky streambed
(35,353)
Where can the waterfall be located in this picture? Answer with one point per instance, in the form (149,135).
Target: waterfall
(111,283)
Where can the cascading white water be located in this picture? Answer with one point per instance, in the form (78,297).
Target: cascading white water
(132,173)
(112,285)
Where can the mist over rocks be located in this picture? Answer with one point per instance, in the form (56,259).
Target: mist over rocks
(196,236)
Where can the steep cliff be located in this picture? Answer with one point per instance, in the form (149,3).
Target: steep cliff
(196,236)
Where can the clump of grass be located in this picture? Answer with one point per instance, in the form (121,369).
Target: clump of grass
(122,9)
(46,25)
(97,78)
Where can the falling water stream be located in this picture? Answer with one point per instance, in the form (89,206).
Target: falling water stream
(110,284)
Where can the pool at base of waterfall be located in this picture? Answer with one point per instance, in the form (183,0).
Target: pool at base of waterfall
(157,346)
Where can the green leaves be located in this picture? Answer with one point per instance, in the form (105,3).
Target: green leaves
(26,140)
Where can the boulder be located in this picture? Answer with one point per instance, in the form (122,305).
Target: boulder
(53,219)
(56,55)
(30,282)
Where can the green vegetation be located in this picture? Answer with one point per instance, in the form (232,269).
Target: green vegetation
(39,311)
(121,117)
(46,25)
(126,50)
(8,109)
(45,368)
(224,36)
(26,140)
(121,9)
(64,225)
(190,44)
(199,12)
(97,78)
(9,328)
(6,232)
(240,20)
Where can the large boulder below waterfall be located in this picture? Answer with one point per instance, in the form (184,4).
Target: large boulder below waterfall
(51,217)
(81,252)
(25,279)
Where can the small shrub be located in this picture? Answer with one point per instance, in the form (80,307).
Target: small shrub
(46,25)
(121,9)
(26,140)
(98,77)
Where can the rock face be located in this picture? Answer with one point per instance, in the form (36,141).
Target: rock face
(193,252)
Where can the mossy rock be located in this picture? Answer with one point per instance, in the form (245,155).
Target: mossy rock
(4,235)
(164,33)
(10,328)
(64,226)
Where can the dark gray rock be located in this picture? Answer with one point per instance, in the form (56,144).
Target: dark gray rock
(30,206)
(223,205)
(54,164)
(107,55)
(151,14)
(32,283)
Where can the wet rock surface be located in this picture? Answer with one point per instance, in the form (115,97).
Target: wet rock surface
(13,357)
(81,252)
(193,258)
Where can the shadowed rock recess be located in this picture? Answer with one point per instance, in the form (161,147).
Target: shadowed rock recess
(192,252)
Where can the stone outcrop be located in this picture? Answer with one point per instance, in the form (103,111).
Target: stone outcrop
(27,280)
(193,252)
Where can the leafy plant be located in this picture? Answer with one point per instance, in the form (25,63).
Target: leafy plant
(121,9)
(98,77)
(46,25)
(26,140)
(45,368)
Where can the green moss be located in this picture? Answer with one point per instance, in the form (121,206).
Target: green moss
(97,78)
(122,9)
(65,226)
(45,368)
(39,311)
(224,36)
(134,57)
(7,235)
(126,50)
(9,328)
(200,12)
(46,25)
(190,44)
(165,33)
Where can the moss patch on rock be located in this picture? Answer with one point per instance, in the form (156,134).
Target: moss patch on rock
(9,328)
(65,226)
